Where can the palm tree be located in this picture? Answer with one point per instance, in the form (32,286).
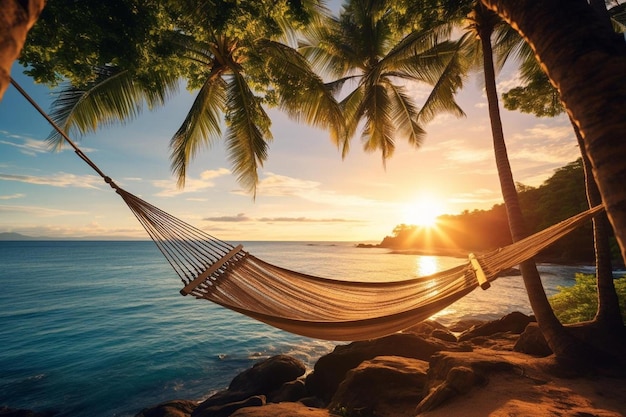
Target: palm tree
(586,63)
(236,74)
(483,22)
(365,48)
(539,97)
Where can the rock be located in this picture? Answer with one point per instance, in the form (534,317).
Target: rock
(514,322)
(268,375)
(444,334)
(464,325)
(225,410)
(281,410)
(290,391)
(455,373)
(482,362)
(331,369)
(532,342)
(262,379)
(175,408)
(385,386)
(425,328)
(459,380)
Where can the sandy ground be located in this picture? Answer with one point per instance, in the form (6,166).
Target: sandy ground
(533,392)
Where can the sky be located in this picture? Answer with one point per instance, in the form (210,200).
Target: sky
(306,191)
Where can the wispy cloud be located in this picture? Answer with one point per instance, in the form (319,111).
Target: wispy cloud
(27,146)
(192,185)
(242,217)
(464,152)
(61,179)
(480,196)
(274,185)
(38,211)
(545,144)
(12,196)
(304,220)
(30,146)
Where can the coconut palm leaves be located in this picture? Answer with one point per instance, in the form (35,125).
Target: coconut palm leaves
(365,48)
(113,95)
(235,79)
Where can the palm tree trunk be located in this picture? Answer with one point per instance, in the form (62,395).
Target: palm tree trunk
(16,19)
(608,314)
(559,340)
(586,63)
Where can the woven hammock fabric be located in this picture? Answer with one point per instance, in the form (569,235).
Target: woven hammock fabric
(318,307)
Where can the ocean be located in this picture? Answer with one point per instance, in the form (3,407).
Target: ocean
(99,329)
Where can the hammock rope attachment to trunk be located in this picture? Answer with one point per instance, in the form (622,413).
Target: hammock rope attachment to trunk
(308,305)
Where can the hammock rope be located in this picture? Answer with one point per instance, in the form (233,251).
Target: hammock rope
(312,306)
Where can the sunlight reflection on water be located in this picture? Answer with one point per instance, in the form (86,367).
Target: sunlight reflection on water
(426,265)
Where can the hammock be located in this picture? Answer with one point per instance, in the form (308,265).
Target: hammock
(307,305)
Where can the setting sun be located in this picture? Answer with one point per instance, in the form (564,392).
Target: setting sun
(423,212)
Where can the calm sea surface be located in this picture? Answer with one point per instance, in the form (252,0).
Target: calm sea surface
(98,329)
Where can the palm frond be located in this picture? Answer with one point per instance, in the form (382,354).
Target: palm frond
(442,95)
(114,96)
(200,127)
(248,132)
(404,115)
(378,132)
(302,93)
(428,65)
(416,43)
(353,111)
(508,44)
(328,50)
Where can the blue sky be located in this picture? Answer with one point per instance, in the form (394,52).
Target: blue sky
(307,192)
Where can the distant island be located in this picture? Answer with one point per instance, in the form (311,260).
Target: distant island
(16,236)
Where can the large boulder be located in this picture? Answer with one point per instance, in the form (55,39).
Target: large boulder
(532,342)
(386,386)
(514,322)
(331,369)
(225,410)
(264,378)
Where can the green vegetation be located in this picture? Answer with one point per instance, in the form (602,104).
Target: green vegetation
(579,302)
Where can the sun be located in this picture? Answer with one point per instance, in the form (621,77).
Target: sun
(423,212)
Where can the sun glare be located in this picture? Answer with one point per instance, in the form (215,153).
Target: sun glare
(423,212)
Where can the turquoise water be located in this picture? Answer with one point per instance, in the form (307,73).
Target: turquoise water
(99,329)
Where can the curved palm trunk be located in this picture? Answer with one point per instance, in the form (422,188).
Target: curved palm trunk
(16,19)
(608,314)
(586,63)
(558,339)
